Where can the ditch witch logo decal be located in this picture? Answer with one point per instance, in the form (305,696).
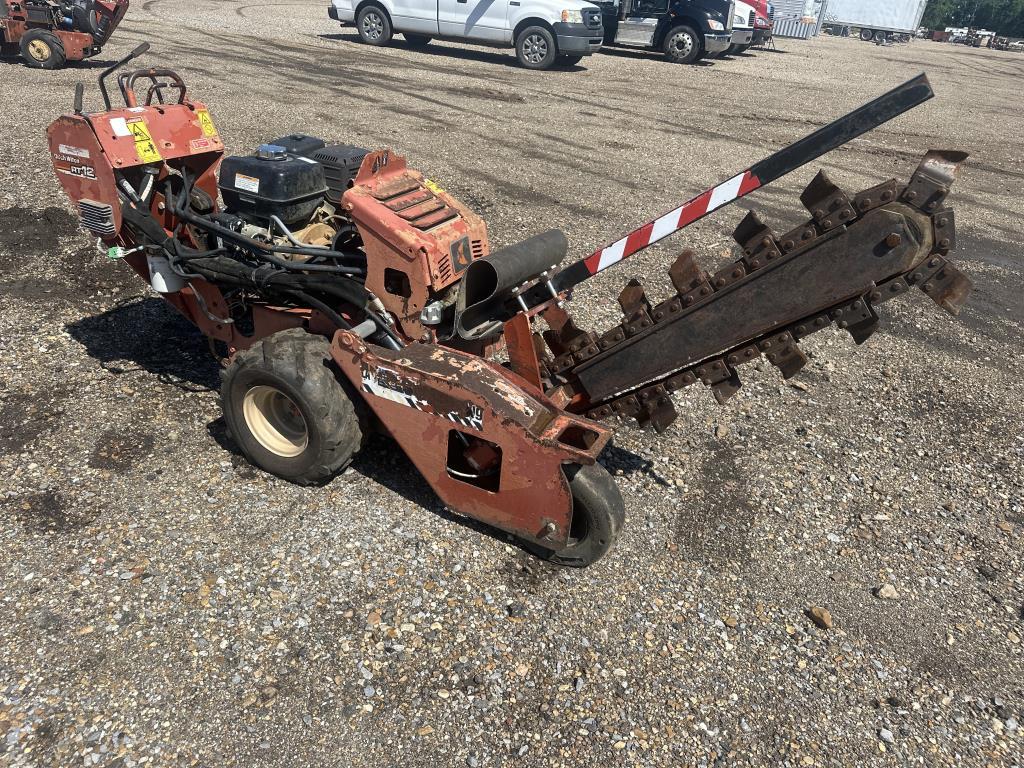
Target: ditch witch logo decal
(387,384)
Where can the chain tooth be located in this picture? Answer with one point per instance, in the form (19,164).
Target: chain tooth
(948,287)
(757,240)
(876,196)
(632,298)
(933,178)
(784,353)
(827,203)
(656,408)
(685,273)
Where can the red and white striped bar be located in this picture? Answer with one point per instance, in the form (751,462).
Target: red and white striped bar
(665,225)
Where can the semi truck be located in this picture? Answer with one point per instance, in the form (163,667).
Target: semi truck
(684,30)
(877,20)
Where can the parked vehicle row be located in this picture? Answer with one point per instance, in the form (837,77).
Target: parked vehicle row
(546,33)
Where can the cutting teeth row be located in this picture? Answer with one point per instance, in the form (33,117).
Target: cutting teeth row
(830,209)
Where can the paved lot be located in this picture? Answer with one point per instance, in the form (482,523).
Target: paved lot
(163,603)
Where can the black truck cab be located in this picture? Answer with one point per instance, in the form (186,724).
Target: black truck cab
(685,30)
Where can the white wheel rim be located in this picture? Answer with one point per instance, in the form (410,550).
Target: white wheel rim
(275,421)
(683,43)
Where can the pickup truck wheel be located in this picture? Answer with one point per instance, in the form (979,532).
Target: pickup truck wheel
(569,61)
(682,45)
(374,25)
(42,50)
(416,41)
(867,34)
(536,49)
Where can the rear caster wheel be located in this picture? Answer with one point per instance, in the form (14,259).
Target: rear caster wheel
(597,517)
(288,409)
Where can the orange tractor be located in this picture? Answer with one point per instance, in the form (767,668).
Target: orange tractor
(50,33)
(348,293)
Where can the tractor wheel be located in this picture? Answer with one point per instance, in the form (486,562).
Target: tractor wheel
(416,41)
(569,61)
(536,49)
(867,34)
(290,411)
(374,25)
(598,514)
(42,50)
(682,45)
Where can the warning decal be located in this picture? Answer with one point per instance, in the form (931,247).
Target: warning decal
(206,122)
(144,145)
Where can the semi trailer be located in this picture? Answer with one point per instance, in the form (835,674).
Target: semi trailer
(877,20)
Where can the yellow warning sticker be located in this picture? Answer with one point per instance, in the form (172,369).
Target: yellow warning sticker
(206,122)
(144,145)
(433,186)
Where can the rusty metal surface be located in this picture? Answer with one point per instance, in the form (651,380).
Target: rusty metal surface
(424,391)
(411,226)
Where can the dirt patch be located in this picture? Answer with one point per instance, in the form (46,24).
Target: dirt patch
(714,526)
(35,266)
(47,512)
(42,230)
(119,451)
(24,417)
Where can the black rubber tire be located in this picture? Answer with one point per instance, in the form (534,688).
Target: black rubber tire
(298,364)
(678,53)
(880,36)
(536,48)
(56,59)
(867,34)
(416,41)
(597,517)
(374,25)
(569,61)
(743,48)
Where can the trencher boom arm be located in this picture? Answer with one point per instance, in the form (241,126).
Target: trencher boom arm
(853,254)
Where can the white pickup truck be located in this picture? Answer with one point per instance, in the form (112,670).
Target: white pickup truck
(544,32)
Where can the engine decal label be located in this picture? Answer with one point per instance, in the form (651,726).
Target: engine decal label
(247,183)
(144,144)
(387,384)
(66,149)
(206,122)
(200,144)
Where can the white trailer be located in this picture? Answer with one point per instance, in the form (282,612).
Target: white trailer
(876,18)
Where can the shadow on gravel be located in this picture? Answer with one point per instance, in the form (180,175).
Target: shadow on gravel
(149,335)
(634,53)
(495,56)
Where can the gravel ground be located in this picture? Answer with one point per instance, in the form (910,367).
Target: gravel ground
(166,604)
